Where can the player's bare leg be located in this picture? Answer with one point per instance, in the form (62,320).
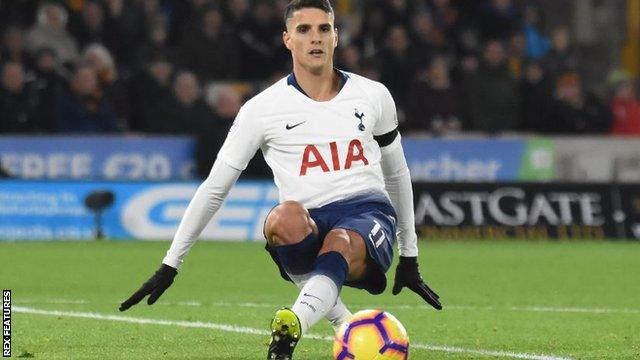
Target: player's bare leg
(286,226)
(288,229)
(351,245)
(343,256)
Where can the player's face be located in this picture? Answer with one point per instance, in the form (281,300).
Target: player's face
(311,37)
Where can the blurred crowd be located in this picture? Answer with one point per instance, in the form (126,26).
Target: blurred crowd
(186,66)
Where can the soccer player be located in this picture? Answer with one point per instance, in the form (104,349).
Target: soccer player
(332,141)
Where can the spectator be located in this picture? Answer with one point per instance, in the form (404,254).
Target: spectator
(397,11)
(281,6)
(151,95)
(469,11)
(114,91)
(499,19)
(126,25)
(189,113)
(156,41)
(574,111)
(184,19)
(467,67)
(261,41)
(348,58)
(371,36)
(397,63)
(17,105)
(426,39)
(210,51)
(463,76)
(537,44)
(83,108)
(624,106)
(467,42)
(561,58)
(493,93)
(370,68)
(237,12)
(433,102)
(48,84)
(536,91)
(446,16)
(516,56)
(393,41)
(50,31)
(225,103)
(13,47)
(89,25)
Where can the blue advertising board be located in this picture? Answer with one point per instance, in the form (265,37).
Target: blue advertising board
(46,210)
(464,160)
(171,158)
(98,157)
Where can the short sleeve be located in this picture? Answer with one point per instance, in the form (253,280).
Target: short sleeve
(243,140)
(388,118)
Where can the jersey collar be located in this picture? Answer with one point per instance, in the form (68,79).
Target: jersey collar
(292,81)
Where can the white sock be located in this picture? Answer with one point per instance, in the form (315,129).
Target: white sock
(338,315)
(317,297)
(300,280)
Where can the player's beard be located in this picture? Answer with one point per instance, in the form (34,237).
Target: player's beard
(318,68)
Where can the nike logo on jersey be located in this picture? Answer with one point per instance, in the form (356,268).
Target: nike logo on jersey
(289,127)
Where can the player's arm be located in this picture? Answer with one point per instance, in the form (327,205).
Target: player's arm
(241,144)
(206,201)
(398,184)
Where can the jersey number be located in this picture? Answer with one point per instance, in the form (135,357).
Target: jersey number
(377,235)
(312,158)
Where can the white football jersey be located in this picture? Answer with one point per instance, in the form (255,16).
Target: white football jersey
(319,152)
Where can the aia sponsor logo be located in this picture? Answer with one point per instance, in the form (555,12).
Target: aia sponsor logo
(312,158)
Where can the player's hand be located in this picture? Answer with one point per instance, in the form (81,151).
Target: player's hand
(407,275)
(156,285)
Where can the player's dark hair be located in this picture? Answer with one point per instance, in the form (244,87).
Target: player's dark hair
(296,5)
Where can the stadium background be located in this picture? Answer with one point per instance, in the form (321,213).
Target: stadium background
(519,119)
(137,96)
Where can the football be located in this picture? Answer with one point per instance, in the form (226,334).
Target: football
(371,335)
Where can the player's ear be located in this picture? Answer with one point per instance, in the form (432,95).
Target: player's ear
(335,41)
(286,39)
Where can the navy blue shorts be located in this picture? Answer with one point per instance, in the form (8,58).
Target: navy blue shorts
(373,218)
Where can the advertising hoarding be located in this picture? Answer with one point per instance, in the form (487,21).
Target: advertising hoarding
(98,157)
(479,160)
(38,210)
(518,210)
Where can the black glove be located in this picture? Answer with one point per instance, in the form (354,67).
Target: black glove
(156,285)
(407,274)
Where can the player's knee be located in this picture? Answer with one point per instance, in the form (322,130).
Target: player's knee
(337,240)
(351,246)
(288,223)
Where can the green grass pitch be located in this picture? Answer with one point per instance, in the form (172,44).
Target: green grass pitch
(528,300)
